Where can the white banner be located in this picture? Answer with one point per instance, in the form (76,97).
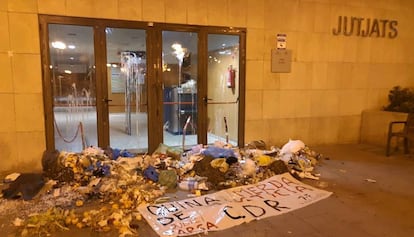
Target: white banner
(227,208)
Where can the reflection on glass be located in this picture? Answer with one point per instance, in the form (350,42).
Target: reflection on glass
(223,88)
(72,76)
(179,60)
(126,67)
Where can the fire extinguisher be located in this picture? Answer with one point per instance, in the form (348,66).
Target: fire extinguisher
(231,77)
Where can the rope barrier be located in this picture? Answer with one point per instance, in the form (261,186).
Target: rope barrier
(82,136)
(226,130)
(79,128)
(185,131)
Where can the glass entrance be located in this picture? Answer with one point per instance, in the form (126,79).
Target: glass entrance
(223,75)
(72,75)
(179,73)
(134,85)
(127,97)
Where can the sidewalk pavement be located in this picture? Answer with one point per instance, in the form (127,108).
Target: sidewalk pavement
(373,196)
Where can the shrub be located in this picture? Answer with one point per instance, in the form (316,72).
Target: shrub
(400,100)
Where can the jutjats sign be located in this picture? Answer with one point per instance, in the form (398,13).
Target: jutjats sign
(366,27)
(227,208)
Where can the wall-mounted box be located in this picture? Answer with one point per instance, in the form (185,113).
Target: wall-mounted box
(281,60)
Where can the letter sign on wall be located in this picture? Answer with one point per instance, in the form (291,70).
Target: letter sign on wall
(366,27)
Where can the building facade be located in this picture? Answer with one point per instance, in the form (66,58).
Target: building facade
(346,56)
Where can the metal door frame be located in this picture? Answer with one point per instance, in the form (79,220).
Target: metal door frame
(154,75)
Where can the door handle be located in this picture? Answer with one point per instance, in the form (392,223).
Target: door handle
(220,102)
(106,100)
(205,99)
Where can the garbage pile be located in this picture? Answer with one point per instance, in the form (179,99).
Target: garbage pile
(121,181)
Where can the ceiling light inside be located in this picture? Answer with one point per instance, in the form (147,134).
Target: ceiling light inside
(58,45)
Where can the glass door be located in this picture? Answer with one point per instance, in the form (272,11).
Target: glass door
(72,78)
(133,85)
(223,73)
(179,75)
(127,95)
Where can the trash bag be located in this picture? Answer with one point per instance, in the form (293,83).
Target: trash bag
(116,153)
(151,173)
(126,153)
(278,167)
(54,169)
(264,160)
(50,163)
(168,178)
(27,185)
(232,160)
(220,164)
(292,146)
(218,152)
(170,151)
(203,168)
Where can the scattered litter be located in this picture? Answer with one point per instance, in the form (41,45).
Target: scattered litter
(322,184)
(193,183)
(311,176)
(371,180)
(248,168)
(261,145)
(18,222)
(121,181)
(162,200)
(11,177)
